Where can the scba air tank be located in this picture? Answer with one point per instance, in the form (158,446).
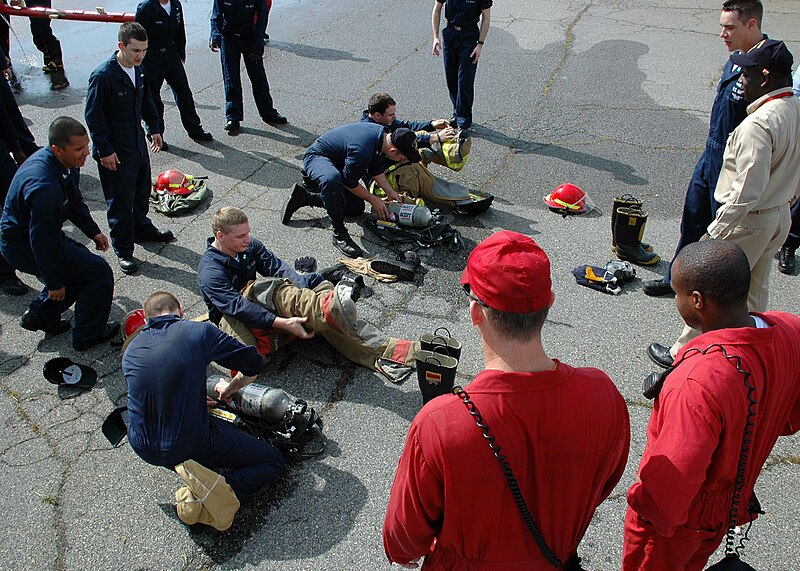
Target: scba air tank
(414,215)
(256,400)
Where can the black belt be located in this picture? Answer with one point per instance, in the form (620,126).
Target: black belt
(462,28)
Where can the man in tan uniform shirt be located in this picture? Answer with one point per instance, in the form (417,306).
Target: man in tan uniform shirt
(760,174)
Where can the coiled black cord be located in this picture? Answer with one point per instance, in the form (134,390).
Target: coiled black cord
(510,478)
(747,440)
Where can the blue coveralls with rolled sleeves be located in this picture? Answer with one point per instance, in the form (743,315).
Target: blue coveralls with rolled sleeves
(166,52)
(114,112)
(699,207)
(338,159)
(793,240)
(168,421)
(459,38)
(237,28)
(44,195)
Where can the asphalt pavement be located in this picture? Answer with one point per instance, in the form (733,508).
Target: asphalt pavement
(613,96)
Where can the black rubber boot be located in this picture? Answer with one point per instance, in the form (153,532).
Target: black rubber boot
(345,244)
(299,198)
(628,231)
(626,200)
(787,261)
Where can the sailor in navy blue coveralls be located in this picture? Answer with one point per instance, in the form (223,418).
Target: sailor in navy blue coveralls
(17,125)
(115,107)
(9,145)
(168,423)
(166,54)
(337,161)
(43,195)
(237,29)
(787,261)
(462,43)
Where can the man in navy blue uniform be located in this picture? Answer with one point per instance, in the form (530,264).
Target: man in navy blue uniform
(116,102)
(337,161)
(382,110)
(461,50)
(787,261)
(237,29)
(9,147)
(168,422)
(18,127)
(44,194)
(740,21)
(166,53)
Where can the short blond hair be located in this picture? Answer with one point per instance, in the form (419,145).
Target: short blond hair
(227,216)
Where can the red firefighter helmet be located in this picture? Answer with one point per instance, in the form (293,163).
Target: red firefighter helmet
(175,182)
(568,198)
(133,322)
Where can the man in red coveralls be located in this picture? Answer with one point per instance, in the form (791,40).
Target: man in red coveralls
(680,504)
(564,431)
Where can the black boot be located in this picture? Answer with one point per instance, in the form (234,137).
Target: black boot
(626,200)
(787,262)
(628,231)
(54,65)
(346,245)
(299,198)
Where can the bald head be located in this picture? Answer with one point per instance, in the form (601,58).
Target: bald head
(717,269)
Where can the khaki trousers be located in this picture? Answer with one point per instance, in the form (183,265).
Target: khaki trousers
(760,235)
(361,342)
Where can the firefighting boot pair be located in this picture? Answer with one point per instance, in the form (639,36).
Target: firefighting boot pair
(620,202)
(627,233)
(54,65)
(437,362)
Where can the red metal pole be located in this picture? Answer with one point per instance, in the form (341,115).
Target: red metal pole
(80,15)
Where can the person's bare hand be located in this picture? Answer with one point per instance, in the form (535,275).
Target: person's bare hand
(379,208)
(214,47)
(8,74)
(440,123)
(393,196)
(101,242)
(220,388)
(156,143)
(110,162)
(446,134)
(437,47)
(294,326)
(57,294)
(476,53)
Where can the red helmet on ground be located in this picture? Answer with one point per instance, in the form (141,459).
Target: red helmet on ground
(567,197)
(175,182)
(133,322)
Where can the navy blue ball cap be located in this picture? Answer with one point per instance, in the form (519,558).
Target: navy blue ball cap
(768,54)
(65,372)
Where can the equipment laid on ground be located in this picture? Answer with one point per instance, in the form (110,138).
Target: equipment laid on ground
(268,413)
(627,229)
(608,279)
(437,362)
(175,193)
(567,199)
(414,215)
(403,238)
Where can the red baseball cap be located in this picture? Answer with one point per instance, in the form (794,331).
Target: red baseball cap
(509,272)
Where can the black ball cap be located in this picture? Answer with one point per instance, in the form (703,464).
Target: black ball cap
(65,372)
(769,54)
